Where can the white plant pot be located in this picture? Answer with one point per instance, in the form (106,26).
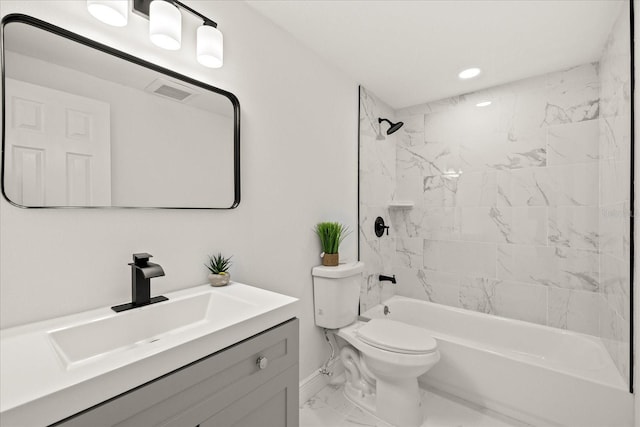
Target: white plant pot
(219,279)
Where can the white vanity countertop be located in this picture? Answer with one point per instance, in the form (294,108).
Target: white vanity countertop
(39,387)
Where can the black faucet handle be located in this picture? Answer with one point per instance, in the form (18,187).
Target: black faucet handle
(379,227)
(141,259)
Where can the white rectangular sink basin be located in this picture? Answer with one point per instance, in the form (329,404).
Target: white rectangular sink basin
(139,326)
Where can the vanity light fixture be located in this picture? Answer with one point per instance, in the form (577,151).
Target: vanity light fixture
(483,104)
(469,73)
(165,25)
(209,46)
(111,12)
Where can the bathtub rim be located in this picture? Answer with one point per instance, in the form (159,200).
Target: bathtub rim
(511,354)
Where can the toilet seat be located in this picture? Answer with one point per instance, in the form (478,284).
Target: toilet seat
(397,337)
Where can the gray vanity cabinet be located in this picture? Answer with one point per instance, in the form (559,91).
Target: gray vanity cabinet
(253,383)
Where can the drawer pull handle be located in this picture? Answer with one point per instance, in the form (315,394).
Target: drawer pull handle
(262,362)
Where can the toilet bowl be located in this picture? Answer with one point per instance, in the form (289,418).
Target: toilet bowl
(383,358)
(382,377)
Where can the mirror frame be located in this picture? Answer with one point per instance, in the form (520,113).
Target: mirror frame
(34,22)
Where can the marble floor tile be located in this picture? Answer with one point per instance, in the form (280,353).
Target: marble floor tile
(330,408)
(320,417)
(359,418)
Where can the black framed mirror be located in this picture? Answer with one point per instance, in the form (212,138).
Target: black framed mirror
(86,125)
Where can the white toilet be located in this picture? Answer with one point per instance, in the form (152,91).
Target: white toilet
(383,358)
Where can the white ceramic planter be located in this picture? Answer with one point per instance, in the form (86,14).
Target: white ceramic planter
(219,279)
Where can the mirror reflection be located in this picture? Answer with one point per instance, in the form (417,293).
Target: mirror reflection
(88,128)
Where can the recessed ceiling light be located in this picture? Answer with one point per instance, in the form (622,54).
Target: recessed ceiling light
(483,104)
(469,73)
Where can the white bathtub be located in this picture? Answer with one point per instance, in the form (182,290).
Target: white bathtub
(540,375)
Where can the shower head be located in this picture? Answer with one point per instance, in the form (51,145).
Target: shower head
(392,126)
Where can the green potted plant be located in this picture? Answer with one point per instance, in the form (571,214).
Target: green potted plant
(218,266)
(331,234)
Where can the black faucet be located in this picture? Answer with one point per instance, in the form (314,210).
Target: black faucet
(142,271)
(391,279)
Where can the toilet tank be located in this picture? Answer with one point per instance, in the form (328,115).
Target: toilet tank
(336,292)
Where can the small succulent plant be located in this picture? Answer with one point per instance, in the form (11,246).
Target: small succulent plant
(218,264)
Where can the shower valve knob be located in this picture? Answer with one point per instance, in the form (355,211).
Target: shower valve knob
(380,228)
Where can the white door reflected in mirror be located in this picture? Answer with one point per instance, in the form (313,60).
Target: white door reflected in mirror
(59,147)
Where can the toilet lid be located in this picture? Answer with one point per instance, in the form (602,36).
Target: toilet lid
(397,337)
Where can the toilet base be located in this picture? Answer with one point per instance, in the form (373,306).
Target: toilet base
(398,402)
(384,383)
(394,400)
(364,401)
(360,386)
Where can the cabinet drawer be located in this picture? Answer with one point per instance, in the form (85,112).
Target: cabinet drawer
(196,392)
(273,404)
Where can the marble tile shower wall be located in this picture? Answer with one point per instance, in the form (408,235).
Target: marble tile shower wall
(506,201)
(614,198)
(521,208)
(377,188)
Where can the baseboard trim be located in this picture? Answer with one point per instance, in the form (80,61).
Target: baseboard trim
(315,382)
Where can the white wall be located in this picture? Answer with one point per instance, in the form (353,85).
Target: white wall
(299,156)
